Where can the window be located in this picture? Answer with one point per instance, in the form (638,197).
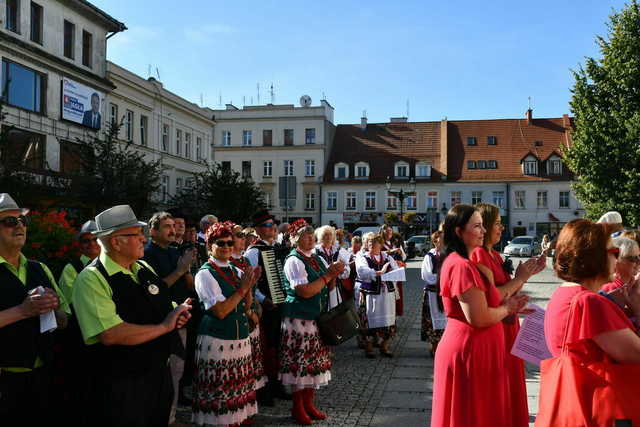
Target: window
(476,197)
(309,136)
(25,149)
(482,164)
(87,49)
(164,188)
(128,125)
(432,200)
(530,167)
(555,166)
(341,171)
(310,201)
(226,166)
(538,143)
(564,199)
(402,170)
(13,15)
(520,199)
(370,200)
(471,164)
(69,39)
(492,140)
(492,164)
(188,183)
(412,204)
(165,138)
(498,199)
(362,170)
(456,198)
(267,199)
(246,168)
(199,148)
(36,23)
(542,200)
(226,138)
(288,168)
(309,168)
(267,137)
(392,201)
(71,156)
(246,137)
(178,142)
(27,88)
(267,168)
(332,200)
(350,199)
(288,137)
(187,145)
(423,170)
(178,185)
(144,123)
(113,116)
(471,140)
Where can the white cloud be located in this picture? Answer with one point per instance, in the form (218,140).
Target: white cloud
(205,33)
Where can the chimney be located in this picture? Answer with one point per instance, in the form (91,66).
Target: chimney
(444,149)
(398,120)
(529,116)
(363,123)
(566,123)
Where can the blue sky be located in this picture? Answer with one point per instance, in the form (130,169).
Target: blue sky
(455,59)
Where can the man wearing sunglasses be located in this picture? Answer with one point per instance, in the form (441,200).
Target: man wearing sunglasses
(89,250)
(26,354)
(129,322)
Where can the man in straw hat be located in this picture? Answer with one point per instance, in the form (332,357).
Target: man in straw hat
(26,355)
(126,316)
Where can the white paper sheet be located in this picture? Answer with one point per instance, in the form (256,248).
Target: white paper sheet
(530,344)
(397,275)
(438,318)
(47,320)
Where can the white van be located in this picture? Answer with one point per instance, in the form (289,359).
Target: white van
(360,231)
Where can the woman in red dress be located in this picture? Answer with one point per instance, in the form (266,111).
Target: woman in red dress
(490,263)
(470,383)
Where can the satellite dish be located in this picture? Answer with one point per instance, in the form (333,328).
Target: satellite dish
(305,101)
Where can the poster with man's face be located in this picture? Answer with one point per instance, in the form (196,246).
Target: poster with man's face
(81,104)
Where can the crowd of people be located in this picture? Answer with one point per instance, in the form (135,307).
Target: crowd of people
(168,311)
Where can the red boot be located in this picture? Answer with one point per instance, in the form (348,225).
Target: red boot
(298,411)
(309,406)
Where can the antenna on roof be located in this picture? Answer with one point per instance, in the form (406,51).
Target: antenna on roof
(220,98)
(158,73)
(273,94)
(324,97)
(407,108)
(201,99)
(258,87)
(364,114)
(529,108)
(251,100)
(244,100)
(149,71)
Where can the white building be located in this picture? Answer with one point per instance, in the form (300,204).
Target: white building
(162,125)
(282,148)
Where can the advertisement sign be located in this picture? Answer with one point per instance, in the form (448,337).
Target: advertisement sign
(81,104)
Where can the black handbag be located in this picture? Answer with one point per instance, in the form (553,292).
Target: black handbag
(339,324)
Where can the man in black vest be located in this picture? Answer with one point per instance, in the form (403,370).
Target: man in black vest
(128,320)
(25,352)
(89,250)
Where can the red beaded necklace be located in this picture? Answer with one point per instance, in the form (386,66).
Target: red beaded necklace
(311,260)
(234,280)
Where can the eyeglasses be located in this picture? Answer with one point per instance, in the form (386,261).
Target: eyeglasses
(221,243)
(12,221)
(87,241)
(614,251)
(634,259)
(267,224)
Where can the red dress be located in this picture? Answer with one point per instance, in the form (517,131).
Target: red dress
(516,385)
(593,315)
(469,386)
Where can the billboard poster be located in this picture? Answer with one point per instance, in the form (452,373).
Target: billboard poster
(81,104)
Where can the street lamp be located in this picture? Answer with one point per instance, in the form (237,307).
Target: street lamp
(401,195)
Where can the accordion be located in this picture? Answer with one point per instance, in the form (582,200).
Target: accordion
(273,262)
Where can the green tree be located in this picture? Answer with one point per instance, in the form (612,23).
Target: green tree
(113,172)
(221,192)
(605,153)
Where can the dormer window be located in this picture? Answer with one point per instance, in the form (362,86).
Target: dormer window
(362,170)
(341,171)
(423,170)
(554,166)
(402,170)
(530,166)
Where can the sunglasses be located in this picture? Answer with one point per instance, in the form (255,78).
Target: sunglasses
(614,251)
(87,241)
(267,224)
(634,259)
(221,243)
(12,221)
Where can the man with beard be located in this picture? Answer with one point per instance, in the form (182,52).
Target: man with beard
(174,270)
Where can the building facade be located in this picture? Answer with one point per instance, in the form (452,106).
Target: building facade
(282,148)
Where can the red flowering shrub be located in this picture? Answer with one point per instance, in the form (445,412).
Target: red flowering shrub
(50,239)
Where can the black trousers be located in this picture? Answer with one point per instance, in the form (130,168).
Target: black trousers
(141,400)
(24,399)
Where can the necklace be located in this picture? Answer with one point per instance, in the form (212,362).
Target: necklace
(311,260)
(234,280)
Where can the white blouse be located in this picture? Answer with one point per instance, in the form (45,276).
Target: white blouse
(296,272)
(368,274)
(426,269)
(343,256)
(207,286)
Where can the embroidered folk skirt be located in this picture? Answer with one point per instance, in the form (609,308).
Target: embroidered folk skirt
(378,314)
(305,361)
(257,356)
(224,384)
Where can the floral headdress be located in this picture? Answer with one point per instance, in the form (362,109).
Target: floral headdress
(217,231)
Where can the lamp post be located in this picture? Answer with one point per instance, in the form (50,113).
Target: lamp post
(401,195)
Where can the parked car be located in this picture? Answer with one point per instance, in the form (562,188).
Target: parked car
(417,246)
(525,246)
(361,231)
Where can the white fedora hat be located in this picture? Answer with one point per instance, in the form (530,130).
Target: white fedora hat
(8,204)
(116,218)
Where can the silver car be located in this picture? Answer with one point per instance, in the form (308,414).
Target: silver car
(421,244)
(523,246)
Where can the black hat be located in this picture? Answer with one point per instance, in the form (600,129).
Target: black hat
(260,217)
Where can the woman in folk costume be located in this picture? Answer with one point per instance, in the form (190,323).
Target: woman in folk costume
(238,260)
(429,272)
(330,251)
(377,298)
(393,248)
(224,386)
(305,361)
